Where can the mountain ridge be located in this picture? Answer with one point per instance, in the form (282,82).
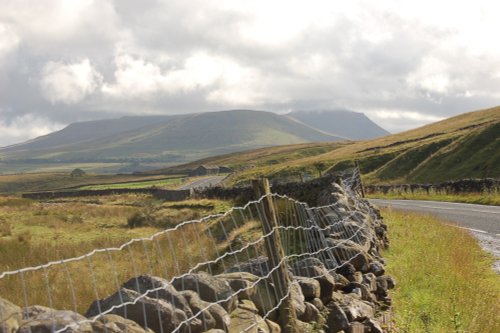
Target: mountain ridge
(167,138)
(341,122)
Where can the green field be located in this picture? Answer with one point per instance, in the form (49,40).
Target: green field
(168,183)
(32,182)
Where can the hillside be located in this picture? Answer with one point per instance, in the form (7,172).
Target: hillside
(464,146)
(345,123)
(172,139)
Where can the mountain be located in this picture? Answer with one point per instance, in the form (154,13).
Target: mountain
(465,146)
(344,123)
(174,139)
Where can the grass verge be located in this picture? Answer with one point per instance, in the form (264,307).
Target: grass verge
(445,280)
(492,199)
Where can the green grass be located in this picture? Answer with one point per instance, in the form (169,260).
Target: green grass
(170,183)
(492,199)
(444,279)
(30,182)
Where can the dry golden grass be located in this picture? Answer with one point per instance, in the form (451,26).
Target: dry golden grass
(40,232)
(445,280)
(454,129)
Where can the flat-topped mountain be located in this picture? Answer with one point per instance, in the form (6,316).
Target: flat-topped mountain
(176,138)
(344,123)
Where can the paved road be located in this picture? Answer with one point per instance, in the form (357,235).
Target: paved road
(204,182)
(480,218)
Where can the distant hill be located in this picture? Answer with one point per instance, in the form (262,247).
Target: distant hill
(465,146)
(344,123)
(172,139)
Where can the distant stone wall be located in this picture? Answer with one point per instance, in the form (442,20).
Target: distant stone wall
(169,195)
(306,192)
(488,185)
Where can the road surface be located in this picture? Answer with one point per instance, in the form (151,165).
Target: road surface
(479,218)
(208,181)
(482,221)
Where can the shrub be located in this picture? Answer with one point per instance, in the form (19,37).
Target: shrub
(24,237)
(139,219)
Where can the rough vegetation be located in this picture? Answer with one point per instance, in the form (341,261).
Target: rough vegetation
(349,292)
(445,280)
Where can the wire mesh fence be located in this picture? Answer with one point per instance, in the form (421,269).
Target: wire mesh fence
(184,262)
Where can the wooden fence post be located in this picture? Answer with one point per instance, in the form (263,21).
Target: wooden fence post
(360,182)
(275,253)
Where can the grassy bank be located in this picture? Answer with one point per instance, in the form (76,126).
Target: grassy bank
(492,199)
(445,280)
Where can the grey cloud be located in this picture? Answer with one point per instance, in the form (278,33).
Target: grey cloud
(367,63)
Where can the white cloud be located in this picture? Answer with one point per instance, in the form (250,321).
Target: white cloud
(138,78)
(400,120)
(432,76)
(25,127)
(9,40)
(415,59)
(69,84)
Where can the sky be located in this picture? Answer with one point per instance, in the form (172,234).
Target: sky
(402,63)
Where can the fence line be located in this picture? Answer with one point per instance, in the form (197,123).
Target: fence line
(303,231)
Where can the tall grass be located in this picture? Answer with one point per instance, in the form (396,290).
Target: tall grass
(33,233)
(74,285)
(445,280)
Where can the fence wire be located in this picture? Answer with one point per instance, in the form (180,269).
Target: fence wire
(215,244)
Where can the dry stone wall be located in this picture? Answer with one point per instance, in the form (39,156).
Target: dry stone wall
(345,294)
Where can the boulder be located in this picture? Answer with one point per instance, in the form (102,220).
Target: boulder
(310,287)
(346,269)
(337,319)
(298,300)
(247,285)
(200,310)
(51,321)
(384,283)
(162,290)
(376,268)
(369,280)
(373,325)
(348,251)
(155,314)
(243,320)
(208,312)
(35,310)
(111,323)
(257,290)
(210,288)
(317,303)
(10,316)
(311,313)
(360,289)
(356,277)
(357,310)
(314,268)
